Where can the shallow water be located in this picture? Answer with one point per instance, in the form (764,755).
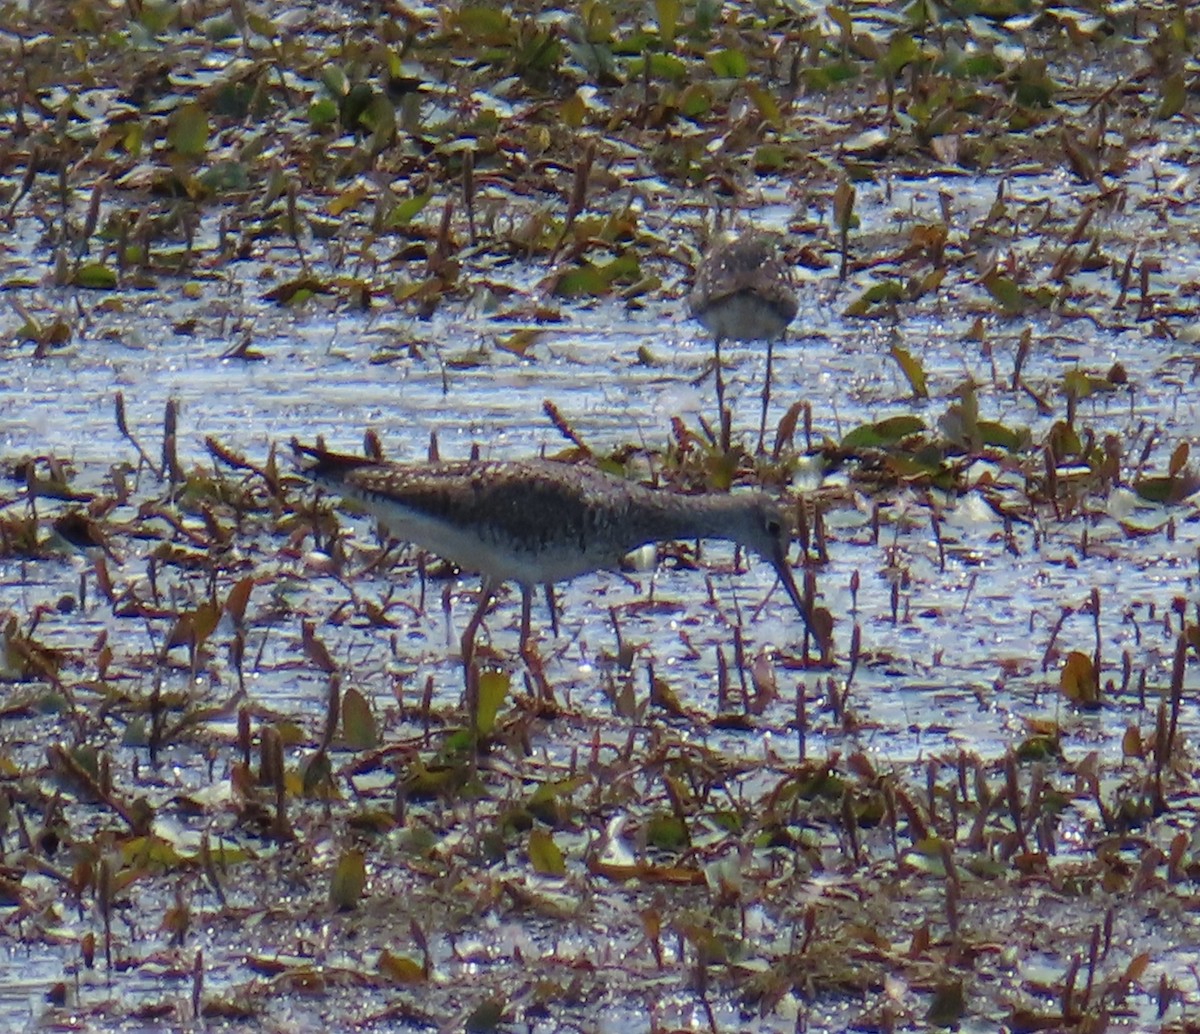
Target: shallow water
(958,667)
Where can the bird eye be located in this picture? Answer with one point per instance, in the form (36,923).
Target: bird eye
(774,527)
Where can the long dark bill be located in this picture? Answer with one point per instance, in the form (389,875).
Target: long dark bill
(784,571)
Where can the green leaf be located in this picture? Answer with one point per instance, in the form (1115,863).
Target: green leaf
(222,177)
(1078,384)
(581,282)
(349,881)
(1005,291)
(95,276)
(408,209)
(334,80)
(187,130)
(545,855)
(913,371)
(883,433)
(400,968)
(379,116)
(588,280)
(877,299)
(486,1017)
(667,832)
(493,689)
(979,66)
(219,27)
(770,158)
(832,74)
(485,24)
(663,68)
(1079,680)
(728,64)
(556,788)
(358,721)
(666,13)
(322,112)
(1155,489)
(766,103)
(318,777)
(948,1005)
(696,101)
(1039,748)
(993,433)
(1174,94)
(903,50)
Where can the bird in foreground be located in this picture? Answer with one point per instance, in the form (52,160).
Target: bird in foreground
(744,291)
(537,522)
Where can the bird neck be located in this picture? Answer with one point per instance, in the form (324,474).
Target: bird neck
(667,516)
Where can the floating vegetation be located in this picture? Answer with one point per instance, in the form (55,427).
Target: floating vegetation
(238,780)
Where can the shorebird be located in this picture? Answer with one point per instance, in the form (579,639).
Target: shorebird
(744,291)
(537,522)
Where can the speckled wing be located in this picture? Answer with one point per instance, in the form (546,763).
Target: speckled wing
(745,290)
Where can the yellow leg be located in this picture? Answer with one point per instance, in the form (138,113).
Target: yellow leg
(487,592)
(766,399)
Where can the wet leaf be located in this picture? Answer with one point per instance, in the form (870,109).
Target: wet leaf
(349,881)
(696,101)
(768,107)
(992,433)
(545,855)
(1082,385)
(348,199)
(1179,458)
(667,833)
(1005,291)
(588,280)
(493,689)
(95,276)
(358,721)
(1132,745)
(57,332)
(1078,680)
(298,290)
(520,341)
(238,598)
(902,50)
(883,432)
(400,969)
(666,14)
(913,371)
(877,300)
(322,112)
(486,1017)
(187,130)
(1174,96)
(485,23)
(948,1005)
(334,79)
(572,111)
(408,209)
(1042,747)
(1155,489)
(728,64)
(317,780)
(665,68)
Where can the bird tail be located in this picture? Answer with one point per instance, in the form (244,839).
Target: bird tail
(319,464)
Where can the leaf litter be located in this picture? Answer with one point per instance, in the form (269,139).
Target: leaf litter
(978,810)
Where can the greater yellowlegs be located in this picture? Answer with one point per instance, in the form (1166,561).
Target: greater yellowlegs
(536,522)
(744,292)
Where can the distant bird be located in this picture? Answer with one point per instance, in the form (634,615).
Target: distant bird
(536,522)
(744,291)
